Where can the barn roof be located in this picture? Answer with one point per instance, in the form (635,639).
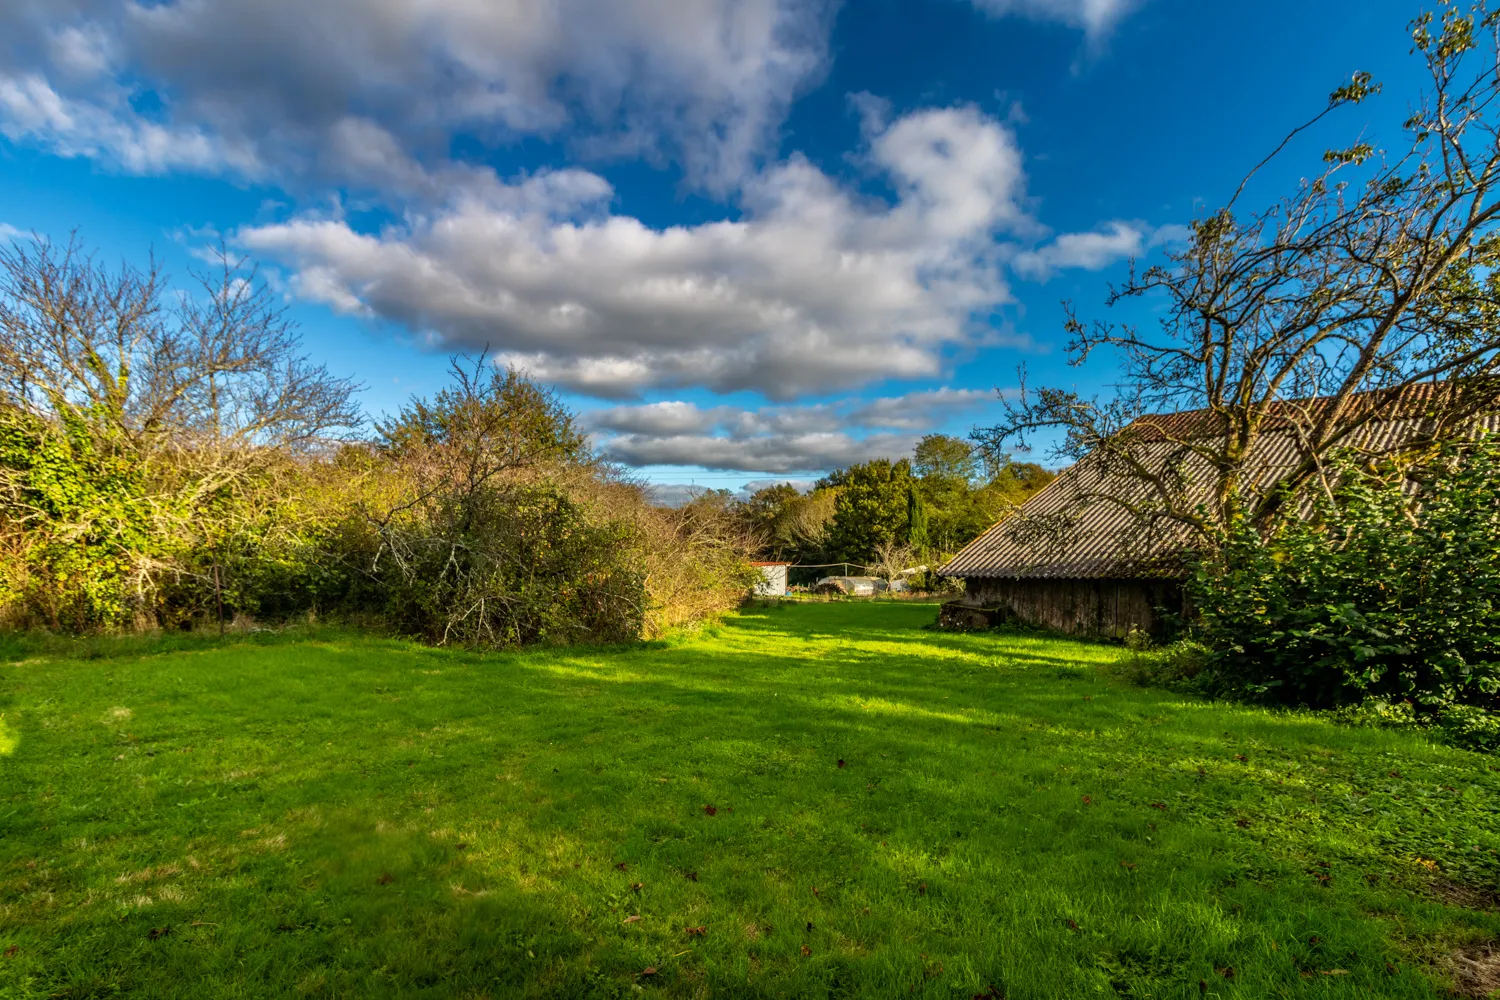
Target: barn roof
(1081,525)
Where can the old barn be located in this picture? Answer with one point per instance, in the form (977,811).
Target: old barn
(1076,559)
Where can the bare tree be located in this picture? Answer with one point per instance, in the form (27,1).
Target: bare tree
(1371,292)
(892,559)
(222,369)
(185,399)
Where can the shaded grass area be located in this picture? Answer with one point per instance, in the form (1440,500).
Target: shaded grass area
(344,816)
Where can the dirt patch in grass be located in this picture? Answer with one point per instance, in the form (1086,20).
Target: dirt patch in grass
(1467,896)
(1476,970)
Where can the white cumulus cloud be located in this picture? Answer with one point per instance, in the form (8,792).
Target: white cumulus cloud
(809,452)
(267,87)
(1094,251)
(1096,17)
(704,82)
(815,287)
(776,439)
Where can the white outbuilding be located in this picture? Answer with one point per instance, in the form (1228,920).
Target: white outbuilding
(772,579)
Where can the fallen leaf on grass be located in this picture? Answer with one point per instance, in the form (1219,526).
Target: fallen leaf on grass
(841,762)
(691,876)
(990,994)
(638,886)
(649,970)
(11,951)
(1243,824)
(1127,864)
(461,847)
(631,919)
(695,931)
(710,810)
(1087,801)
(806,951)
(621,865)
(815,891)
(157,933)
(1159,805)
(1072,924)
(386,878)
(922,889)
(1241,758)
(1227,972)
(1314,940)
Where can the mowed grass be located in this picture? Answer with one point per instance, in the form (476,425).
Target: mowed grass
(356,817)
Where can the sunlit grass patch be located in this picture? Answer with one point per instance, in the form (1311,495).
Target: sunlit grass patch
(815,800)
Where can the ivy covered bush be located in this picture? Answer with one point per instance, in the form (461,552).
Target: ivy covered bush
(1386,595)
(167,466)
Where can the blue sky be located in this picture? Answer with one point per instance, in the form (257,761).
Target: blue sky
(746,239)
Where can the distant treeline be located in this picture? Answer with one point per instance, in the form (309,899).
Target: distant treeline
(890,516)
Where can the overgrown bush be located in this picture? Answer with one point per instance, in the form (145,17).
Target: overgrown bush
(1177,664)
(79,524)
(693,560)
(167,468)
(511,564)
(1388,591)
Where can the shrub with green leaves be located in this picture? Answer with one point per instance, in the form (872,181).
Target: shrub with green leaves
(1389,591)
(85,526)
(172,460)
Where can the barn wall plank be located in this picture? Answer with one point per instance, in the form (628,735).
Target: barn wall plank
(1079,607)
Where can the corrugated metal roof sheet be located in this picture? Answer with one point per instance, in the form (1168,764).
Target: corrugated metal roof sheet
(1084,524)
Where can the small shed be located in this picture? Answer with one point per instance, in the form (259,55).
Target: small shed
(772,579)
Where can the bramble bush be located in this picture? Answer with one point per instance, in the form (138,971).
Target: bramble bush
(1385,595)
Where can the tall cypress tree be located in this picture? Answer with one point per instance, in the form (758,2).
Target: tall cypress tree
(916,519)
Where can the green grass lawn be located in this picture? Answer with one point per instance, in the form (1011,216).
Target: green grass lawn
(814,800)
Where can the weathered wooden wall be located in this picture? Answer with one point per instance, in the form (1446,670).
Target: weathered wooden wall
(1079,607)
